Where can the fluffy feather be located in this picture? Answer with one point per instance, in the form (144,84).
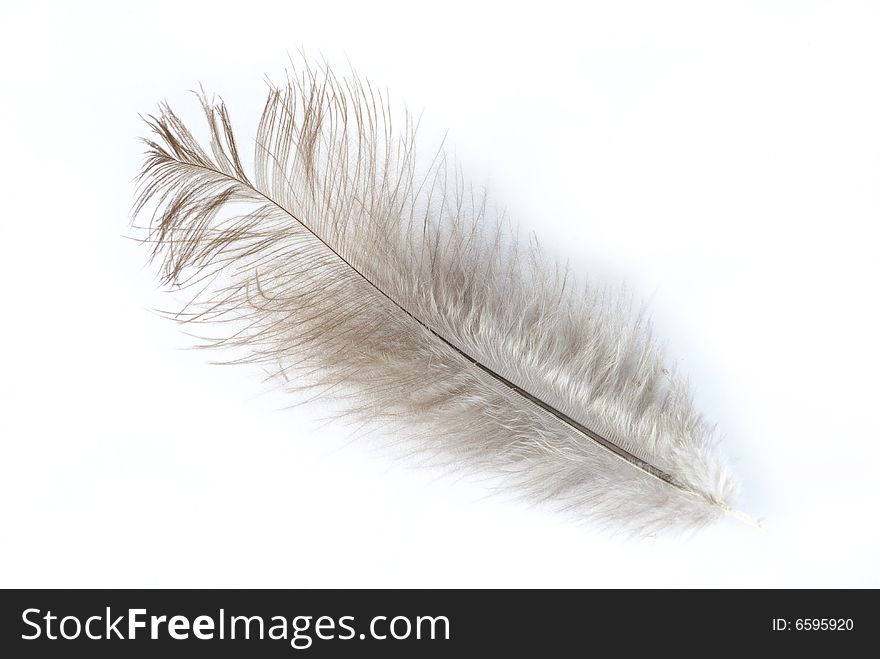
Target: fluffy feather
(343,267)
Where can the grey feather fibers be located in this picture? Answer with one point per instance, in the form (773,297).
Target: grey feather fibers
(346,266)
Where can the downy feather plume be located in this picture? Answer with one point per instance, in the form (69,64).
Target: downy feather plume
(346,266)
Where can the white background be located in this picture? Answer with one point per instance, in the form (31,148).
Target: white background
(721,158)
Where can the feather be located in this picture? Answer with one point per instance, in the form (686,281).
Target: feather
(346,266)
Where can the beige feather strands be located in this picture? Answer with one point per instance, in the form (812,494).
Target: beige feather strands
(345,265)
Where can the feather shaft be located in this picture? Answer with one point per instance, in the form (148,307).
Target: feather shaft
(591,435)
